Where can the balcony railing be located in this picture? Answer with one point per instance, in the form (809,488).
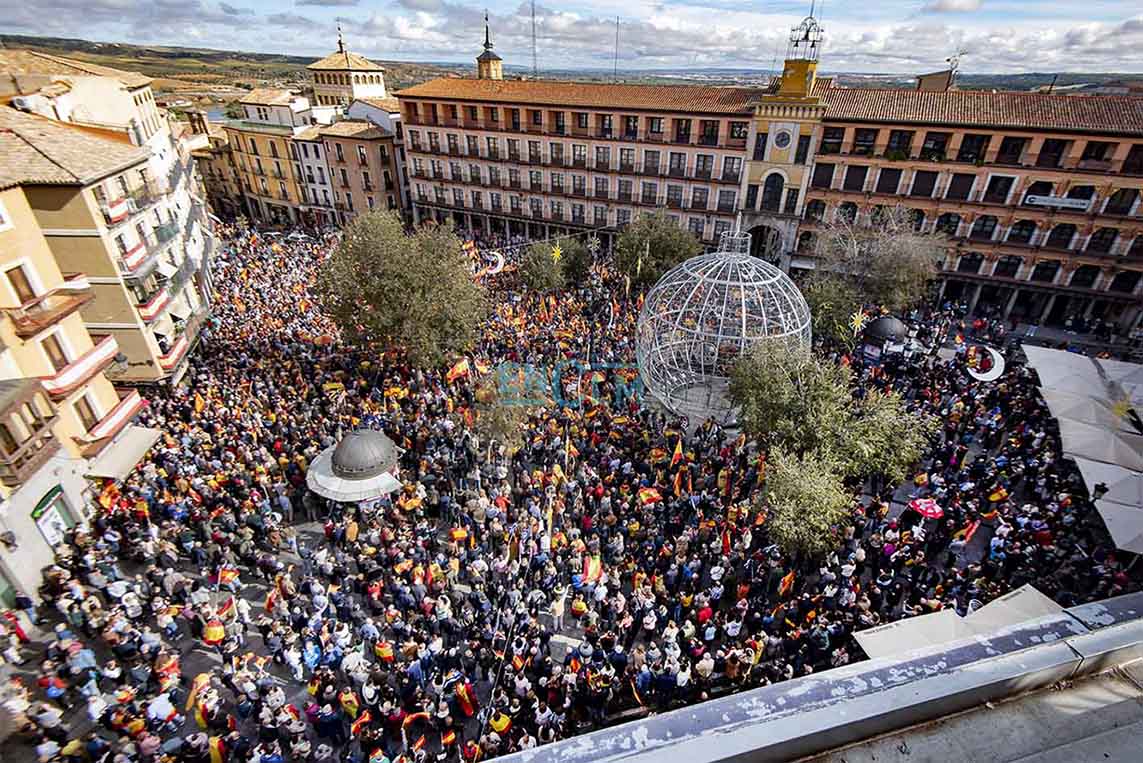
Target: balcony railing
(50,308)
(153,307)
(82,369)
(105,430)
(18,466)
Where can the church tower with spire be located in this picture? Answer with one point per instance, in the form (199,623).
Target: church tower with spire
(488,64)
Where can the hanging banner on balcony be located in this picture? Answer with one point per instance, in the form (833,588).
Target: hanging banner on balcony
(118,210)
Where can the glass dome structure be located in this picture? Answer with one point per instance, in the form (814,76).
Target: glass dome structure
(705,313)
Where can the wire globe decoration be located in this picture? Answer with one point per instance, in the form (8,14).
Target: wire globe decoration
(703,315)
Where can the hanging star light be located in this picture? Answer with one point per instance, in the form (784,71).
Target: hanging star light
(557,252)
(593,244)
(857,322)
(1121,407)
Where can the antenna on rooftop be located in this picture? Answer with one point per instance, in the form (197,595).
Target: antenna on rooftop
(535,65)
(954,66)
(615,66)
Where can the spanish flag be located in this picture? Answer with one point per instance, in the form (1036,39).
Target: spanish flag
(199,683)
(459,369)
(384,651)
(592,569)
(359,724)
(348,702)
(217,750)
(227,575)
(466,698)
(786,584)
(678,455)
(448,737)
(657,455)
(214,632)
(199,403)
(649,495)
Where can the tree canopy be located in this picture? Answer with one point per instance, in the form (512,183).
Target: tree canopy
(652,245)
(540,269)
(805,408)
(391,288)
(885,257)
(832,300)
(805,502)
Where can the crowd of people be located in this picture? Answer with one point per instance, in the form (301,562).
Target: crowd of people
(608,561)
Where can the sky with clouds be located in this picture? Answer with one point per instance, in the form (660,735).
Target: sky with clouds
(904,36)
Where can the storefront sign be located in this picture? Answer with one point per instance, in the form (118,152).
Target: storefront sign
(49,518)
(1057,201)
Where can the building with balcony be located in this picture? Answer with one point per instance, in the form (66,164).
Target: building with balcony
(538,158)
(362,161)
(103,213)
(260,143)
(217,169)
(63,426)
(117,198)
(1039,194)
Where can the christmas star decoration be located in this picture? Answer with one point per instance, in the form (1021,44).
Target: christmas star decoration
(857,322)
(593,244)
(557,253)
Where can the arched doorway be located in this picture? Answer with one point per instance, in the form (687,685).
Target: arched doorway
(765,243)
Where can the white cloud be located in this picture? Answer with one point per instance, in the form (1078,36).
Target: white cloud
(893,36)
(952,6)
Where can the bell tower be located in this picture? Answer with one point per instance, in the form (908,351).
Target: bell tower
(488,64)
(786,122)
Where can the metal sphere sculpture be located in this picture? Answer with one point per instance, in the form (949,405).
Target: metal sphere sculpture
(705,313)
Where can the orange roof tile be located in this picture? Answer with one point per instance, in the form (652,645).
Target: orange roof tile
(345,61)
(1013,110)
(681,98)
(354,128)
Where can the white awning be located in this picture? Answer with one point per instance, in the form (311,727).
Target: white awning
(120,457)
(1084,408)
(1025,603)
(166,269)
(1097,443)
(1124,524)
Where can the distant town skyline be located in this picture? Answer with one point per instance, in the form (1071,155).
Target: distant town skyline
(893,36)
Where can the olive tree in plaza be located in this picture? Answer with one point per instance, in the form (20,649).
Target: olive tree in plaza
(652,245)
(803,407)
(540,269)
(805,502)
(882,255)
(411,290)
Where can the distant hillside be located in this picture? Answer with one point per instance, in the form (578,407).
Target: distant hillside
(206,66)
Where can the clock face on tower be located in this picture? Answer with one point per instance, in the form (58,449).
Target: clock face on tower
(782,139)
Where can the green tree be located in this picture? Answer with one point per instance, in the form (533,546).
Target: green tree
(652,245)
(803,405)
(805,502)
(833,300)
(888,261)
(540,270)
(788,398)
(882,438)
(414,291)
(576,261)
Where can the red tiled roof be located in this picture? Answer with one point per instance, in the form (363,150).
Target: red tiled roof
(683,98)
(1065,113)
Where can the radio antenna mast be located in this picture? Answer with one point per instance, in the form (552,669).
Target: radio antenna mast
(615,66)
(535,64)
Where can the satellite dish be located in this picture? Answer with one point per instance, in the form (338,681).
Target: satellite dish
(994,372)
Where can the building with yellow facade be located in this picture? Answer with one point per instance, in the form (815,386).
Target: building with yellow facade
(140,233)
(63,426)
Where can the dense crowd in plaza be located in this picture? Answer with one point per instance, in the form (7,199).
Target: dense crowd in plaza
(501,599)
